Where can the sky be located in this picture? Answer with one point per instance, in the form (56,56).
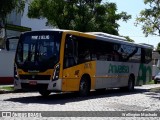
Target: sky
(132,7)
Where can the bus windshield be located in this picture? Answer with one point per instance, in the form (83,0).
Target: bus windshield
(38,50)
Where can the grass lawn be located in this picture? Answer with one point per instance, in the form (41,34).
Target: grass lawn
(151,82)
(8,88)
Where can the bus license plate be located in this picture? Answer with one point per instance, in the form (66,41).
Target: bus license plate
(33,82)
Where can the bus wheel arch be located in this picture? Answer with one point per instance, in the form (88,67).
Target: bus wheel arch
(85,85)
(130,83)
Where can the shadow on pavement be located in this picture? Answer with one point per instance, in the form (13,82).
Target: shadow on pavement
(63,98)
(153,94)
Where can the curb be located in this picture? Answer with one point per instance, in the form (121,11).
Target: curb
(2,91)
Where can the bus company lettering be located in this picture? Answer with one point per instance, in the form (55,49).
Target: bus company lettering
(118,69)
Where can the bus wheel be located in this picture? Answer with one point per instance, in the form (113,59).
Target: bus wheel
(130,86)
(44,93)
(84,87)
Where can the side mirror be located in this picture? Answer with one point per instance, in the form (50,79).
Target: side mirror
(7,44)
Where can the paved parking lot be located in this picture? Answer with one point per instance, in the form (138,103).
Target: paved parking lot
(111,100)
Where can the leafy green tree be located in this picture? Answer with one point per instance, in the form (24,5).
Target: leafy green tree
(129,39)
(158,47)
(81,15)
(150,18)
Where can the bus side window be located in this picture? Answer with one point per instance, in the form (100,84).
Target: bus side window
(70,55)
(84,50)
(146,55)
(143,55)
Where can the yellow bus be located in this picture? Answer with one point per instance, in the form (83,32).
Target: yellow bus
(67,61)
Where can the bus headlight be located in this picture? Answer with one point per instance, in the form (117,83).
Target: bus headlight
(56,72)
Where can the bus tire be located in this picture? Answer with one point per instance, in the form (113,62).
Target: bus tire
(44,93)
(130,86)
(84,87)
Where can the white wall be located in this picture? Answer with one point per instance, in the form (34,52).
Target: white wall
(35,24)
(6,63)
(15,19)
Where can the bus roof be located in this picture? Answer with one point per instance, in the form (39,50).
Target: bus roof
(104,37)
(117,39)
(102,34)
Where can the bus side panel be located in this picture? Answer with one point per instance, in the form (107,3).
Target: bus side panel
(116,74)
(144,74)
(105,75)
(73,75)
(111,74)
(130,69)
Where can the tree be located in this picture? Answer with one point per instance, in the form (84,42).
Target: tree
(158,47)
(129,39)
(81,15)
(7,6)
(150,18)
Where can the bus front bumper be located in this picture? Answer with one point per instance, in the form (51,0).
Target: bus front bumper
(37,85)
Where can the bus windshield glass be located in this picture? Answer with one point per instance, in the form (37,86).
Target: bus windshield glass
(38,50)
